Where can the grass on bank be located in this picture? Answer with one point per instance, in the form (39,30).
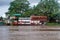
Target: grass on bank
(53,24)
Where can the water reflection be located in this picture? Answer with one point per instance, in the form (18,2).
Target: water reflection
(27,33)
(4,33)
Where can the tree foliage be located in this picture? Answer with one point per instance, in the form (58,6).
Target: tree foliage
(18,6)
(47,7)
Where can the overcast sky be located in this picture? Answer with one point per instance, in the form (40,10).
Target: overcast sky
(4,5)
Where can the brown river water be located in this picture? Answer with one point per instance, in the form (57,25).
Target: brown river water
(27,33)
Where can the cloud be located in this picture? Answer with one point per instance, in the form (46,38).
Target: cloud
(34,1)
(59,1)
(32,4)
(5,2)
(3,9)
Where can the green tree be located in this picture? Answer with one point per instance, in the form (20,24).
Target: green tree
(18,6)
(1,18)
(47,7)
(57,16)
(28,13)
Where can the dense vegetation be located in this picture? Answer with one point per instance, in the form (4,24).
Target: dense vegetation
(18,7)
(49,8)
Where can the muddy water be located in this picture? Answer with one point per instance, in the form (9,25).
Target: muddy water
(27,33)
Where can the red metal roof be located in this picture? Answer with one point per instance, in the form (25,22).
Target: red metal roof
(41,18)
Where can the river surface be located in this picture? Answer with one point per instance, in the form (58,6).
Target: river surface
(27,33)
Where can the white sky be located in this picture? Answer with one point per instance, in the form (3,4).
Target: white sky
(4,5)
(3,9)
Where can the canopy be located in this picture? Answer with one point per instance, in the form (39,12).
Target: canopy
(18,15)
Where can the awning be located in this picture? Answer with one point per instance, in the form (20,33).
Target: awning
(17,15)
